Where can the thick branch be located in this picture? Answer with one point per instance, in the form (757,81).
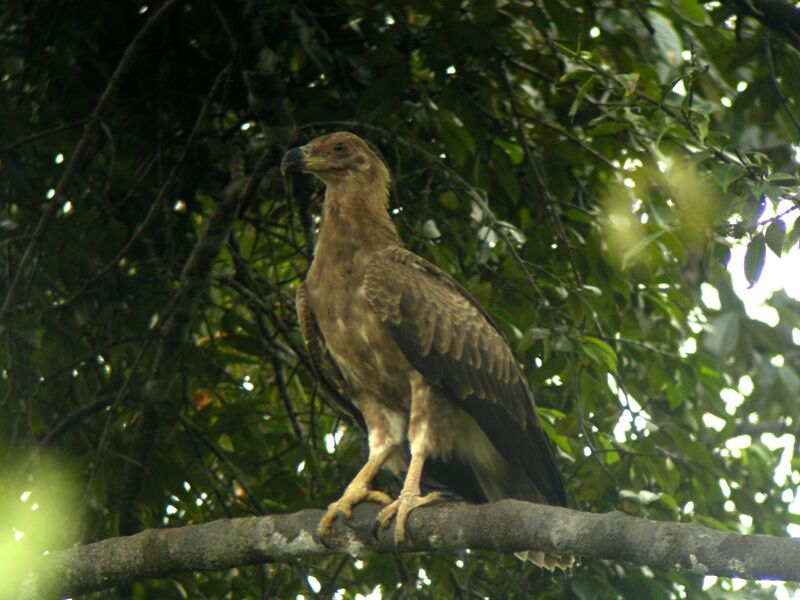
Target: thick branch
(505,526)
(266,92)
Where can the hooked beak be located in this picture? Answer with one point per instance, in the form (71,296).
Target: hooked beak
(293,160)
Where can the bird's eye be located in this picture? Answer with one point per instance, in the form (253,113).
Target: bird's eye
(340,148)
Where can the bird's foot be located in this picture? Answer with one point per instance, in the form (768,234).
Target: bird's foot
(352,495)
(402,507)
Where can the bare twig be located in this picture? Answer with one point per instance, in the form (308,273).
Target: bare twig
(775,83)
(778,15)
(70,172)
(42,134)
(155,207)
(216,451)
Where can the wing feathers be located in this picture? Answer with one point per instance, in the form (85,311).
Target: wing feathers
(321,362)
(449,338)
(444,334)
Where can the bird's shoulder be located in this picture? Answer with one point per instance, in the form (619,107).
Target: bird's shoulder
(397,277)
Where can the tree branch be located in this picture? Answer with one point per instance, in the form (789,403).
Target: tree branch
(505,526)
(173,334)
(138,45)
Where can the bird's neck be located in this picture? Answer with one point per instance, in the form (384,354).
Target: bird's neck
(355,226)
(357,218)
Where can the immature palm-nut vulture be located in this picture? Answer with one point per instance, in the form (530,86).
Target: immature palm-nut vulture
(427,371)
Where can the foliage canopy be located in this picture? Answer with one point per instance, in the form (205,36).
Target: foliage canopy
(583,168)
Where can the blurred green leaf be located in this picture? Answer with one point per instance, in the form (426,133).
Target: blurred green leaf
(634,251)
(449,200)
(774,236)
(667,39)
(722,334)
(513,150)
(789,379)
(600,352)
(692,10)
(754,258)
(725,174)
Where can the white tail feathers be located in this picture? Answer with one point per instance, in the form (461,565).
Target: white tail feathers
(551,562)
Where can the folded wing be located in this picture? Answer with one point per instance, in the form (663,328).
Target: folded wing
(449,338)
(324,366)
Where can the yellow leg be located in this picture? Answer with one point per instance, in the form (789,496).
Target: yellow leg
(358,491)
(409,499)
(424,407)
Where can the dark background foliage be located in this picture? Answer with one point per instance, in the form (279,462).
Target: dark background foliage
(583,168)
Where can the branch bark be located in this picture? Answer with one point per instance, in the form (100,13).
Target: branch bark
(505,526)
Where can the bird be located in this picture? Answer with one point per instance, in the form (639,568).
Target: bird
(415,358)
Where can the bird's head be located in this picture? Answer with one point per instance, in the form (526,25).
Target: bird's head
(338,158)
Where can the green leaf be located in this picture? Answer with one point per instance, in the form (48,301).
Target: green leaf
(632,252)
(726,174)
(504,173)
(564,18)
(629,81)
(692,10)
(449,200)
(225,442)
(666,501)
(514,151)
(785,178)
(530,336)
(600,352)
(465,137)
(775,234)
(564,344)
(689,447)
(580,216)
(794,234)
(789,379)
(576,103)
(722,334)
(458,142)
(609,127)
(754,259)
(667,39)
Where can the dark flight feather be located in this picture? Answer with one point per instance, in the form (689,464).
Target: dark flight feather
(425,311)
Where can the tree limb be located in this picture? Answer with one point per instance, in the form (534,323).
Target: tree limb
(505,526)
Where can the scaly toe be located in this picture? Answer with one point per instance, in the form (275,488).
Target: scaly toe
(402,507)
(324,527)
(387,514)
(378,498)
(345,504)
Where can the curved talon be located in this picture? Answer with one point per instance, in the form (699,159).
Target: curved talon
(402,507)
(345,504)
(387,514)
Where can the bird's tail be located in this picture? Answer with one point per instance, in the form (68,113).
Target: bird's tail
(516,485)
(551,562)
